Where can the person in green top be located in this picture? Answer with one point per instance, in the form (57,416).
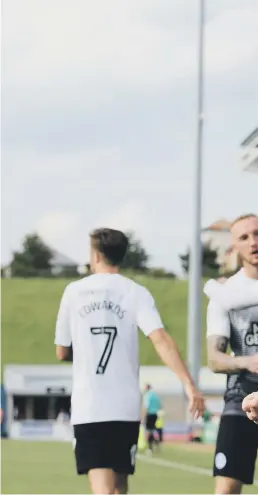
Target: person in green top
(206,416)
(152,406)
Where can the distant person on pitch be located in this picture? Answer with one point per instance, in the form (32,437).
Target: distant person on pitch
(152,406)
(159,426)
(99,316)
(63,417)
(232,320)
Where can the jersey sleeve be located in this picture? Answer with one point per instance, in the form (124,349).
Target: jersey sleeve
(63,329)
(230,298)
(217,320)
(147,315)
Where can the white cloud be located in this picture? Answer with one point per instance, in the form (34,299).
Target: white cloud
(68,232)
(89,49)
(99,115)
(131,216)
(231,40)
(60,168)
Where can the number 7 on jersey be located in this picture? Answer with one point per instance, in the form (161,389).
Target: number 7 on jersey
(111,332)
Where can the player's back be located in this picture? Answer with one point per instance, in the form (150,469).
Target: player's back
(103,312)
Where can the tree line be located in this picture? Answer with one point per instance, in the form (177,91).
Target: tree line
(35,259)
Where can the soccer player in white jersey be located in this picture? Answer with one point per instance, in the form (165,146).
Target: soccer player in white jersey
(235,323)
(100,316)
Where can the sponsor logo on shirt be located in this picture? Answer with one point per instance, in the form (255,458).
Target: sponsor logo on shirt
(251,337)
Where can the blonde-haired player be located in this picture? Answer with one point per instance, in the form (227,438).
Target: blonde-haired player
(232,320)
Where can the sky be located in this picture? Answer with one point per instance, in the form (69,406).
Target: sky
(99,106)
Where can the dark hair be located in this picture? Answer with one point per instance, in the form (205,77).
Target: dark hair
(112,244)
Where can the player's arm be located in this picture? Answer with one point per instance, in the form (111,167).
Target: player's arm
(227,298)
(168,352)
(218,360)
(64,353)
(218,335)
(150,323)
(63,340)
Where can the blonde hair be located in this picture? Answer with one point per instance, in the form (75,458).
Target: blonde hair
(243,217)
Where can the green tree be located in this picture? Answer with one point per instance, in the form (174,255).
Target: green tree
(210,266)
(33,260)
(136,256)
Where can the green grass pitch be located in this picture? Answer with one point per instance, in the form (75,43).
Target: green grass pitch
(42,467)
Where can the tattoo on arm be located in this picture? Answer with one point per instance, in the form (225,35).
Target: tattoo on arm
(217,343)
(221,343)
(218,360)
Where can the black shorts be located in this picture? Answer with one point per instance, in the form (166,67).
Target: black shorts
(160,434)
(236,449)
(110,445)
(151,421)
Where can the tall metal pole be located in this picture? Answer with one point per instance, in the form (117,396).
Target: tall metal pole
(195,272)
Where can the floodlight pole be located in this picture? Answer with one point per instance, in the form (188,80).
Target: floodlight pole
(195,271)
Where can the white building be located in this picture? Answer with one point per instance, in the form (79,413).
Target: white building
(249,158)
(60,262)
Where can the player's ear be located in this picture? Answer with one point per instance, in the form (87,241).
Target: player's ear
(233,253)
(98,256)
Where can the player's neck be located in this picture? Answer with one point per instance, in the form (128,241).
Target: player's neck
(103,268)
(251,271)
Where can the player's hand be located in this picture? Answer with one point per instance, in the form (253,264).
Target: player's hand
(250,406)
(252,363)
(196,402)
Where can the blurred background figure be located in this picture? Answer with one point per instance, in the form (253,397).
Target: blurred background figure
(63,417)
(3,413)
(16,415)
(142,444)
(206,419)
(152,406)
(159,426)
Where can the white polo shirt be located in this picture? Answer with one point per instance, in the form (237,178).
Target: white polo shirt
(100,315)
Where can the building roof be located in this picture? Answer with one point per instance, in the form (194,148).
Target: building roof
(220,225)
(250,137)
(61,259)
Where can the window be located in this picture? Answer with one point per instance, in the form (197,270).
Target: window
(41,407)
(63,404)
(19,402)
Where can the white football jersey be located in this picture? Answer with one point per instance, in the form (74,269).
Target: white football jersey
(240,326)
(100,316)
